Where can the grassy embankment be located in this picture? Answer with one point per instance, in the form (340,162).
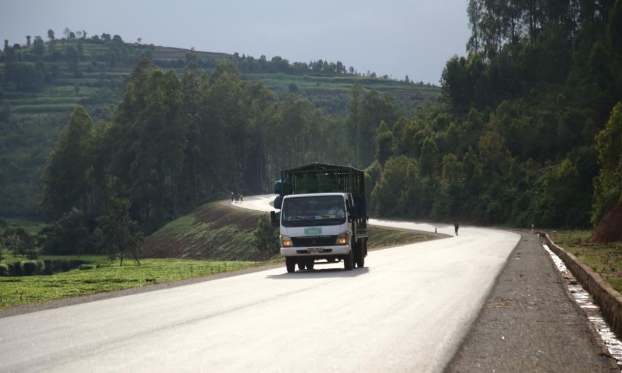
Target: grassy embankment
(604,259)
(213,239)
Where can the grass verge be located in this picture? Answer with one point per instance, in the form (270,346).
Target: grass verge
(213,239)
(604,259)
(107,276)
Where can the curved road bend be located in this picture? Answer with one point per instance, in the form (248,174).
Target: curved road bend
(407,310)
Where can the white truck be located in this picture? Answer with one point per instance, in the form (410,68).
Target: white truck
(323,216)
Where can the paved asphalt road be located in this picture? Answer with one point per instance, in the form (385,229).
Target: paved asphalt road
(408,309)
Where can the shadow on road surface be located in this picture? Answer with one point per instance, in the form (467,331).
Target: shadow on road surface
(320,273)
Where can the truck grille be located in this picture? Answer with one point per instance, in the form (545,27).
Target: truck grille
(314,241)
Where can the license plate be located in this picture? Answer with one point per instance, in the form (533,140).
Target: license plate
(315,249)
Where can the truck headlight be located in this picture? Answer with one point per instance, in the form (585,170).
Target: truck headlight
(342,239)
(286,241)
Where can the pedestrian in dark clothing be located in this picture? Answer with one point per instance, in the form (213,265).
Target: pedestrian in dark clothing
(456,226)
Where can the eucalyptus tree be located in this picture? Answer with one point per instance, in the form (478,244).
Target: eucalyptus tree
(160,147)
(335,146)
(384,143)
(354,120)
(295,119)
(194,85)
(260,145)
(375,108)
(452,193)
(224,121)
(126,130)
(66,175)
(148,143)
(393,186)
(429,161)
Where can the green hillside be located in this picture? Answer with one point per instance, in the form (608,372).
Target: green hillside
(217,231)
(42,83)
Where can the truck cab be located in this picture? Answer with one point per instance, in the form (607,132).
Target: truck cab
(324,225)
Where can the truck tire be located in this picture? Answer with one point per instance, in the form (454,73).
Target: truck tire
(359,255)
(290,263)
(348,261)
(310,264)
(301,265)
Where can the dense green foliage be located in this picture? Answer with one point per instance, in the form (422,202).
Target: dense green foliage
(608,184)
(41,83)
(17,242)
(513,139)
(175,143)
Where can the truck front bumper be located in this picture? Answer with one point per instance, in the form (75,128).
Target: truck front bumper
(315,251)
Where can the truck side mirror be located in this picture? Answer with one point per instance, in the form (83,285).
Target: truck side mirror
(274,219)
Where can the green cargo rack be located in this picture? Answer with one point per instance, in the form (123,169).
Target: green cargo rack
(325,178)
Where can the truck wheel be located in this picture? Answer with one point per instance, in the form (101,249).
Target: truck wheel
(310,264)
(360,256)
(301,265)
(290,263)
(348,261)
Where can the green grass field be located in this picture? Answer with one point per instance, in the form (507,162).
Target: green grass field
(30,226)
(107,276)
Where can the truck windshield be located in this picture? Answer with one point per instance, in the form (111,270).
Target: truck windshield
(313,211)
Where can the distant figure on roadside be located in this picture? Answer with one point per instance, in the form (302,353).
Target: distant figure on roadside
(232,197)
(241,197)
(456,226)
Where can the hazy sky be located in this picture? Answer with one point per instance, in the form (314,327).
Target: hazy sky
(392,37)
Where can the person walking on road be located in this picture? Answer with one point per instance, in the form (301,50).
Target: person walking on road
(456,226)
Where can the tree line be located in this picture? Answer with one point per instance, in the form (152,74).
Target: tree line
(31,68)
(527,126)
(40,81)
(176,142)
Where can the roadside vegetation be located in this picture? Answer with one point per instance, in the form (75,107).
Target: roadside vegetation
(213,239)
(602,258)
(102,275)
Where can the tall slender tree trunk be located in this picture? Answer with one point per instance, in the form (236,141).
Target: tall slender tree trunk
(196,182)
(175,194)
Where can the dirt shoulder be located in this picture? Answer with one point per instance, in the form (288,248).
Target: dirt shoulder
(530,323)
